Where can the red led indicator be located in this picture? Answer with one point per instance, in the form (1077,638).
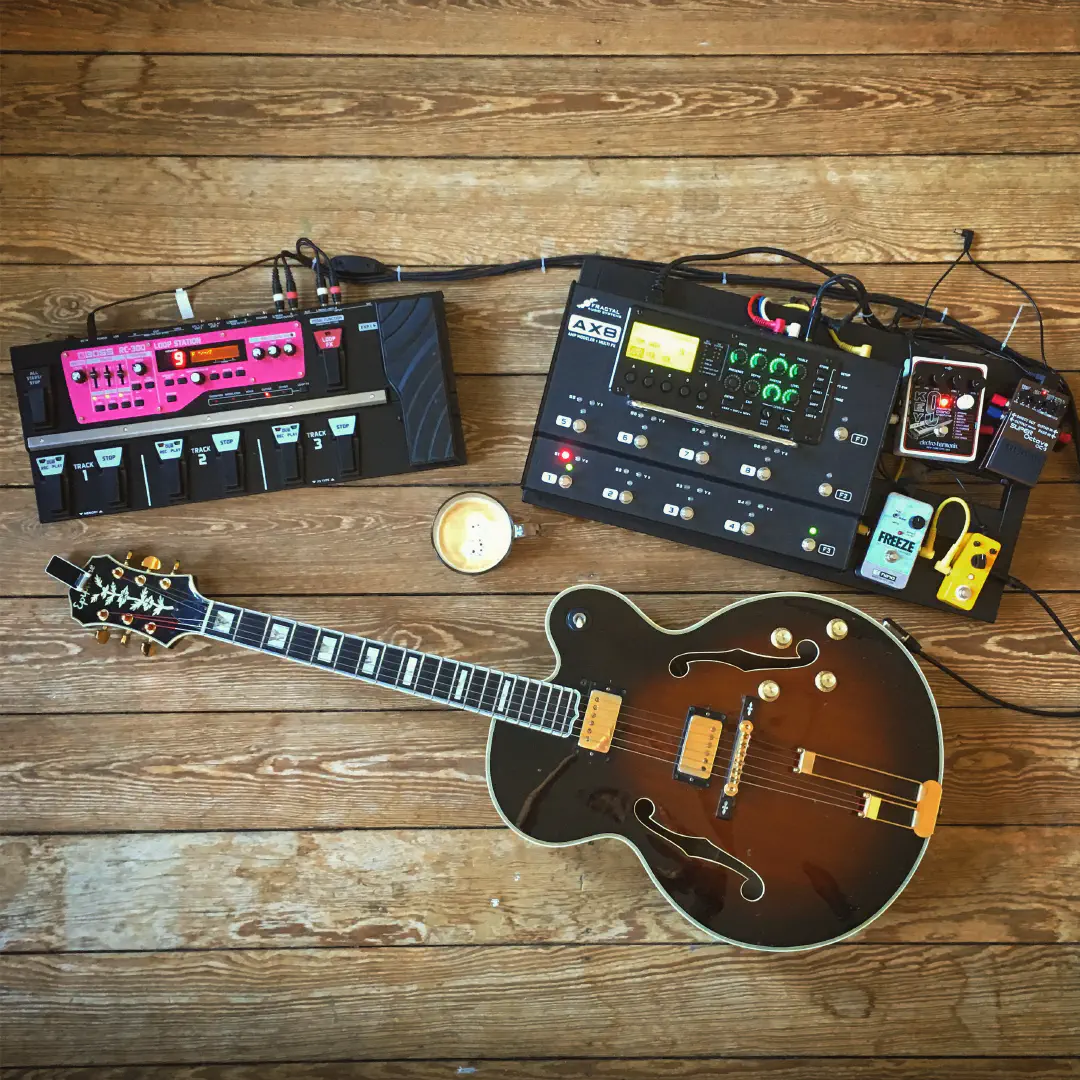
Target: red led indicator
(179,358)
(944,401)
(565,455)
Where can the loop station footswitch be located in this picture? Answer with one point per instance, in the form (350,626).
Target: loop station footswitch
(238,406)
(682,419)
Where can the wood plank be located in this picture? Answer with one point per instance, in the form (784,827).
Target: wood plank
(441,27)
(71,104)
(504,325)
(474,1001)
(51,659)
(62,770)
(1023,207)
(1041,1068)
(497,412)
(487,887)
(351,528)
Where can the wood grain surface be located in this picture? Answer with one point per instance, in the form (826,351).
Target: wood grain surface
(538,107)
(213,862)
(287,1004)
(478,887)
(841,209)
(838,1068)
(512,27)
(503,325)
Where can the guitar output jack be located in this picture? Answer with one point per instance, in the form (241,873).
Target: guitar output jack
(577,619)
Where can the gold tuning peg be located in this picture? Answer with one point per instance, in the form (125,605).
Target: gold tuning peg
(125,637)
(175,567)
(151,562)
(128,557)
(102,635)
(147,648)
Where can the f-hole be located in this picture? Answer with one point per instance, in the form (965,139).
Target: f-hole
(806,653)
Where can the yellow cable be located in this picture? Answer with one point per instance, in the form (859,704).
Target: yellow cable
(944,564)
(858,350)
(900,470)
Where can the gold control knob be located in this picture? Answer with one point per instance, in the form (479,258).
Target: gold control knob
(825,490)
(840,434)
(687,513)
(764,472)
(768,690)
(781,637)
(702,457)
(565,481)
(825,681)
(579,425)
(747,528)
(837,629)
(626,497)
(809,544)
(151,562)
(641,441)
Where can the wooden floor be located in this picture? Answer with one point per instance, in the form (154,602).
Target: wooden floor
(210,857)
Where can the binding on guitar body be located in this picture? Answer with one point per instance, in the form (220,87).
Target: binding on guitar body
(776,767)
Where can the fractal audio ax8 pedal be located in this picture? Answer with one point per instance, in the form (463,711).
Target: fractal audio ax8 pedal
(678,417)
(238,406)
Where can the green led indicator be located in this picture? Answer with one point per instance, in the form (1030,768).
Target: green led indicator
(813,530)
(570,468)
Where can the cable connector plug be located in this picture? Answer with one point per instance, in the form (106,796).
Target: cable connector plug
(358,266)
(968,236)
(909,641)
(275,285)
(292,297)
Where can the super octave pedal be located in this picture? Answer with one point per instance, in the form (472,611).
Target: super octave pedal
(238,406)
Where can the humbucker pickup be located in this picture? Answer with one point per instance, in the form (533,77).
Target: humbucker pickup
(700,741)
(598,726)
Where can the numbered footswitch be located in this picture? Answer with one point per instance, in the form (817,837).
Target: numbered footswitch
(654,498)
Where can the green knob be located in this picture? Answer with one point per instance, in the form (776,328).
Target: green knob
(778,367)
(758,360)
(737,357)
(791,396)
(796,371)
(771,392)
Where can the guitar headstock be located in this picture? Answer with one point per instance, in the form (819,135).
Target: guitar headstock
(110,594)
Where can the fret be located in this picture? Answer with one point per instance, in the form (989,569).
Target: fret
(250,628)
(444,681)
(223,621)
(278,633)
(474,690)
(393,659)
(428,675)
(536,693)
(302,643)
(549,717)
(490,700)
(521,687)
(349,654)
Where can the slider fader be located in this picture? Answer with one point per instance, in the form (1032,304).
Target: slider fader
(238,406)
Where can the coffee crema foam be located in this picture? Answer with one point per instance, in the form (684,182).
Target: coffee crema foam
(472,533)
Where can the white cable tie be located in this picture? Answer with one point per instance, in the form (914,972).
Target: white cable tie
(1016,319)
(543,265)
(944,312)
(399,273)
(183,302)
(723,278)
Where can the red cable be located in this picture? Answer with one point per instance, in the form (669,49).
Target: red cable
(775,325)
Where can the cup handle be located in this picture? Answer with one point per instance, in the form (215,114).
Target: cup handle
(525,530)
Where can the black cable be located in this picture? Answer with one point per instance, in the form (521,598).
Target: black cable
(1058,714)
(1016,583)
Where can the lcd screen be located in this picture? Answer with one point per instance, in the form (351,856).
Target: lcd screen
(665,348)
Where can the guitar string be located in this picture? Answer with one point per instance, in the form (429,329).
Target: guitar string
(623,743)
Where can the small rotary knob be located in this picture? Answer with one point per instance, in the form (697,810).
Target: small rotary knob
(257,353)
(139,368)
(273,350)
(198,377)
(771,393)
(778,366)
(289,349)
(78,376)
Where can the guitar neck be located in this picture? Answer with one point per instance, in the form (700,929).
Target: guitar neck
(515,699)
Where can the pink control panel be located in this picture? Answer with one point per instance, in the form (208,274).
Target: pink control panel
(163,375)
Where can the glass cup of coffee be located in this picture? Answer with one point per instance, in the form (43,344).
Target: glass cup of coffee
(472,532)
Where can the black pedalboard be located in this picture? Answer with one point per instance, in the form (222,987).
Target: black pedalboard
(238,406)
(680,418)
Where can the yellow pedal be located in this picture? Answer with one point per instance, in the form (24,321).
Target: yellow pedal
(601,715)
(699,747)
(964,581)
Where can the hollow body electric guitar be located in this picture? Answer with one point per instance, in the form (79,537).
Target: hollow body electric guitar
(776,766)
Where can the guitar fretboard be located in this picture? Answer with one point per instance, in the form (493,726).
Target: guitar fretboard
(514,698)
